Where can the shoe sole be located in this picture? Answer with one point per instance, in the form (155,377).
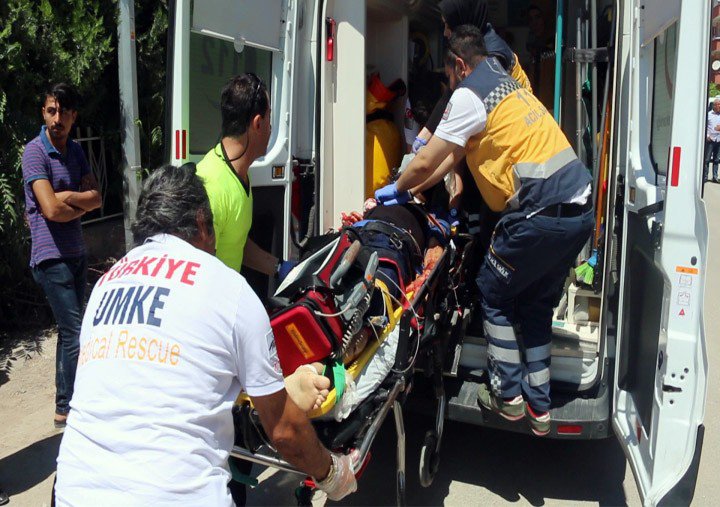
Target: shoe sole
(508,417)
(539,433)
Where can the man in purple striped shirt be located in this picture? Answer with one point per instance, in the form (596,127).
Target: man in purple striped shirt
(59,189)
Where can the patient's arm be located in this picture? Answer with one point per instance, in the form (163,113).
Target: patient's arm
(432,255)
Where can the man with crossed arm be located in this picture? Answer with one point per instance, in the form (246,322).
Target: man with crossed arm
(59,189)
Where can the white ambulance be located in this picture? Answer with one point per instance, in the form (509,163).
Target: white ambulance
(638,367)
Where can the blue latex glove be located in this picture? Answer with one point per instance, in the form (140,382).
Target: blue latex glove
(389,195)
(439,230)
(418,144)
(454,217)
(284,268)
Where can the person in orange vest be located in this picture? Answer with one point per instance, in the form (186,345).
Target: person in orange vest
(383,143)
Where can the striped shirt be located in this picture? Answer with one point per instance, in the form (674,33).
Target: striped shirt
(52,240)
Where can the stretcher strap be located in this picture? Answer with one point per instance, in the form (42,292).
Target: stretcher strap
(338,371)
(240,477)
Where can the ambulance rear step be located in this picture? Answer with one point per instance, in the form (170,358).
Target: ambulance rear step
(572,416)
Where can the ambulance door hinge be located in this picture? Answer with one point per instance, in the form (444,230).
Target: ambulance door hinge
(306,168)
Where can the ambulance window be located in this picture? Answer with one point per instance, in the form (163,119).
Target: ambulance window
(212,63)
(663,95)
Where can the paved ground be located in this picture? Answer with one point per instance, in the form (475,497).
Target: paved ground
(479,467)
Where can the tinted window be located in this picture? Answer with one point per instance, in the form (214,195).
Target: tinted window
(212,63)
(663,96)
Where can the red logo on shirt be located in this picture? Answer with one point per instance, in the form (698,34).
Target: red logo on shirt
(446,114)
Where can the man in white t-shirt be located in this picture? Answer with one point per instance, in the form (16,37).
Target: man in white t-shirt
(525,169)
(170,337)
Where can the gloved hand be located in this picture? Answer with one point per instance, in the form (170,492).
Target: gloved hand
(440,230)
(341,481)
(389,195)
(454,217)
(418,144)
(284,268)
(306,387)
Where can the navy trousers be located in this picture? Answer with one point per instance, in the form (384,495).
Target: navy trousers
(712,154)
(521,281)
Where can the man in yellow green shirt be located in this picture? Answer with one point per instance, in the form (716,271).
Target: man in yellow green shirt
(245,112)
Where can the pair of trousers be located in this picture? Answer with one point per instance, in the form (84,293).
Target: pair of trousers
(63,281)
(521,280)
(712,153)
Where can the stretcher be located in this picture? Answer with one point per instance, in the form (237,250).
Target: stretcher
(417,322)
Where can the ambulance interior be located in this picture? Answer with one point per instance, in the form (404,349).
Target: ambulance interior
(404,37)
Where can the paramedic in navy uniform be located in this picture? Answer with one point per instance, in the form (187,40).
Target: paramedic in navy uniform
(170,337)
(525,169)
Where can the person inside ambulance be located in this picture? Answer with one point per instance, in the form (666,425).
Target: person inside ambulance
(526,170)
(383,143)
(169,338)
(471,12)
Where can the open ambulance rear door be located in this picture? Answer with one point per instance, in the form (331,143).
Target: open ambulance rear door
(214,40)
(661,362)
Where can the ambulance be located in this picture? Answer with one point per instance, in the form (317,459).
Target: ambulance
(627,86)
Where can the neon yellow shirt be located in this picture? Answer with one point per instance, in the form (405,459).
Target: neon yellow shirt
(231,206)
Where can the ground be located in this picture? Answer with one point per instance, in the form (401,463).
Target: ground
(477,468)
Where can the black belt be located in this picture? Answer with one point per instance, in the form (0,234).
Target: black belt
(566,210)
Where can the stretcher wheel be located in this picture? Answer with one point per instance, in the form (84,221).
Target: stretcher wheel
(429,459)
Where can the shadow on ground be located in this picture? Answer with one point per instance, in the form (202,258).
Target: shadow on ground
(511,466)
(19,346)
(30,466)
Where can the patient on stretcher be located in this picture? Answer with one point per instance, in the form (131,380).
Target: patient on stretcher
(345,298)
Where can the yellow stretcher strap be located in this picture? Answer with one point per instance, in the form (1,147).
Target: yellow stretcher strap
(353,369)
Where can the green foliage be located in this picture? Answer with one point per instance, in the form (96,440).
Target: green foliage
(75,41)
(713,90)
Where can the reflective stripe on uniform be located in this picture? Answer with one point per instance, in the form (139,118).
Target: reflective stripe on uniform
(546,169)
(511,356)
(500,333)
(537,378)
(540,353)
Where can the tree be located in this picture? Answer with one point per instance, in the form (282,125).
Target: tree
(75,41)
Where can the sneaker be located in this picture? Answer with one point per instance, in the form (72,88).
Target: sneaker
(539,421)
(512,410)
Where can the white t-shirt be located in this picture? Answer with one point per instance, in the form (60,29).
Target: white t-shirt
(466,116)
(169,338)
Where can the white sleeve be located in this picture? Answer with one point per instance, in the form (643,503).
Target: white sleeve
(258,366)
(464,117)
(411,128)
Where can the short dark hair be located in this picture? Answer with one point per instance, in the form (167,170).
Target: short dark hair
(467,43)
(64,94)
(242,98)
(170,202)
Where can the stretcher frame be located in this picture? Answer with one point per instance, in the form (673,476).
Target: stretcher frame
(430,294)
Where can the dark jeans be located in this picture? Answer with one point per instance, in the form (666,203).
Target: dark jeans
(712,152)
(63,281)
(521,280)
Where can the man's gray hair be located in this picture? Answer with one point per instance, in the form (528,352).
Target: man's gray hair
(171,201)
